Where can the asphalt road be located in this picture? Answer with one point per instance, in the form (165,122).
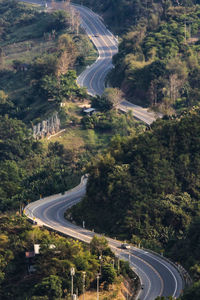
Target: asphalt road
(93,78)
(159,277)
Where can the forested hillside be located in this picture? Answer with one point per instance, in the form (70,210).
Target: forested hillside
(148,185)
(122,14)
(25,274)
(32,87)
(158,60)
(41,42)
(38,51)
(27,169)
(146,189)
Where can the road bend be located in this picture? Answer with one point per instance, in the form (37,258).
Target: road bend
(93,78)
(158,276)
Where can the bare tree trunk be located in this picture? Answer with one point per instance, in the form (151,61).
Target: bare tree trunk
(174,85)
(153,93)
(77,22)
(1,59)
(72,18)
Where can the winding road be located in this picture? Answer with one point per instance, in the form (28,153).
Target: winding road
(158,276)
(93,78)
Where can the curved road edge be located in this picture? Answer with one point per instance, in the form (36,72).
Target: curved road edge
(150,268)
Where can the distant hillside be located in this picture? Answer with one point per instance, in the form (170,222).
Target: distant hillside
(121,15)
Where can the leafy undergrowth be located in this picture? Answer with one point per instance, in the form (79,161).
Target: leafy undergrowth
(46,275)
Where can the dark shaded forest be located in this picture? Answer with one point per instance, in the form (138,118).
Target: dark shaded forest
(146,189)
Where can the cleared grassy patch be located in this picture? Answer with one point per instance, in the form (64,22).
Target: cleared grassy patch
(26,51)
(78,139)
(117,291)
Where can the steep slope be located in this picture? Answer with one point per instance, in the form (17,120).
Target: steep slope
(147,186)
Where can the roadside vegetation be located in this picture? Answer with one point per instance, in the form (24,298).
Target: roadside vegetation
(145,186)
(24,274)
(146,190)
(40,53)
(158,61)
(32,90)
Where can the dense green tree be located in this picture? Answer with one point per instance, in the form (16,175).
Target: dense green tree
(50,286)
(193,292)
(102,103)
(98,245)
(60,20)
(147,185)
(5,104)
(108,274)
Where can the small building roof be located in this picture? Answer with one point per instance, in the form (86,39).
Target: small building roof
(89,110)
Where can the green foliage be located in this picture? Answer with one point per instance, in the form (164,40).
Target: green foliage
(44,66)
(15,139)
(48,77)
(51,278)
(59,89)
(20,22)
(157,57)
(113,122)
(98,245)
(27,170)
(189,244)
(148,186)
(50,286)
(193,292)
(108,274)
(110,99)
(59,21)
(102,103)
(6,105)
